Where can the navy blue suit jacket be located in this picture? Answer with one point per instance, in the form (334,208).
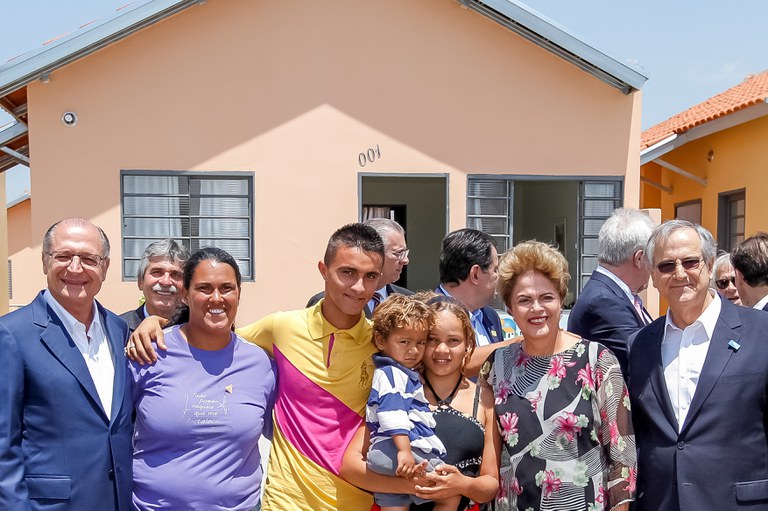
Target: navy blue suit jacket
(491,321)
(605,314)
(719,459)
(58,449)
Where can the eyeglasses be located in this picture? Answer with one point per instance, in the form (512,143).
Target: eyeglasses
(400,254)
(670,266)
(66,258)
(723,283)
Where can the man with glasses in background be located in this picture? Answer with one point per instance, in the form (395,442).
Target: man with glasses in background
(395,259)
(697,381)
(65,415)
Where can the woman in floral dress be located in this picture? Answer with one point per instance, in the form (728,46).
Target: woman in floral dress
(561,403)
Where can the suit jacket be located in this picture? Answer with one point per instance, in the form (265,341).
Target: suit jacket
(133,318)
(391,290)
(491,321)
(58,449)
(719,458)
(605,314)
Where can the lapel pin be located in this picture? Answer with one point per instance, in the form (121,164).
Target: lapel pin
(734,345)
(228,388)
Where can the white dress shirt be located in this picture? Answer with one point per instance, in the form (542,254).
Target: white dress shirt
(93,346)
(682,356)
(760,304)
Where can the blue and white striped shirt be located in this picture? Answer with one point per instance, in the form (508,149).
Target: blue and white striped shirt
(397,406)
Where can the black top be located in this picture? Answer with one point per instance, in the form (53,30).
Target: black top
(464,440)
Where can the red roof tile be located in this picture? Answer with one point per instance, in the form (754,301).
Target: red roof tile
(751,91)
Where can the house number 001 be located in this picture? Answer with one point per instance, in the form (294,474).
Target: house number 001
(369,156)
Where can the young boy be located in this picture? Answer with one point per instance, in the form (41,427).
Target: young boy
(398,414)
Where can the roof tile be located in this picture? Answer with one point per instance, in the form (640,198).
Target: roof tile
(751,91)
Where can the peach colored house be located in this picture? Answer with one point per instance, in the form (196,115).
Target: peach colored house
(263,126)
(707,164)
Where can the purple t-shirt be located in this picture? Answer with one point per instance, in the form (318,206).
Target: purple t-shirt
(199,416)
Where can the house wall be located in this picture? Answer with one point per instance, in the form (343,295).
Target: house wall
(740,160)
(24,257)
(3,249)
(293,91)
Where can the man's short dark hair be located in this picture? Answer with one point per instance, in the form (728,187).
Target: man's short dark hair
(462,250)
(355,235)
(750,257)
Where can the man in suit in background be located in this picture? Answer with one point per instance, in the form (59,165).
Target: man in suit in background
(395,259)
(160,279)
(469,270)
(608,309)
(65,414)
(750,264)
(697,381)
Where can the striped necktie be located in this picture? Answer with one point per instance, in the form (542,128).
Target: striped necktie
(376,300)
(639,308)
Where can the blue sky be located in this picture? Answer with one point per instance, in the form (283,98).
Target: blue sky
(690,49)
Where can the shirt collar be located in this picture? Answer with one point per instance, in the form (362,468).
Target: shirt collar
(69,321)
(319,327)
(475,314)
(624,287)
(383,293)
(708,318)
(761,303)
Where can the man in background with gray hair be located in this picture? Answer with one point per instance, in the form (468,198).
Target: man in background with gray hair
(160,279)
(608,309)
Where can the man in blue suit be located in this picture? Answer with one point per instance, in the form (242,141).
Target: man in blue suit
(608,309)
(469,270)
(697,381)
(65,416)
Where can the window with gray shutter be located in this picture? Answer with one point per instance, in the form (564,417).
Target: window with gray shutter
(198,209)
(489,209)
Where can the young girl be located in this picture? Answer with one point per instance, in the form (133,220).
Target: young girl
(398,415)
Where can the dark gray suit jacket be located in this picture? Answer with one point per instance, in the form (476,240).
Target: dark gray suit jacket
(719,458)
(133,318)
(391,290)
(605,314)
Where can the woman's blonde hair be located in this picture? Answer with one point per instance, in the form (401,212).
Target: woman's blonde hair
(400,311)
(532,256)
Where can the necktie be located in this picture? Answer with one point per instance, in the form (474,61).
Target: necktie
(639,308)
(376,300)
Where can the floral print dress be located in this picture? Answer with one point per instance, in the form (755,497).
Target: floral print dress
(565,421)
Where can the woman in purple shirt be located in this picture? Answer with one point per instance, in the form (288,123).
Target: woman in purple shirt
(202,407)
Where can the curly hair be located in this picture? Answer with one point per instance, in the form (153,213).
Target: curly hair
(400,311)
(439,303)
(532,256)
